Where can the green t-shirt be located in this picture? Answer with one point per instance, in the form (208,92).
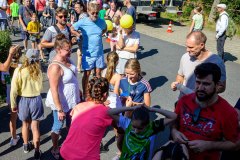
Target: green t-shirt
(137,146)
(198,21)
(14,7)
(102,13)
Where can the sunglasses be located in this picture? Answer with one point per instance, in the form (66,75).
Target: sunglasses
(94,13)
(65,16)
(196,114)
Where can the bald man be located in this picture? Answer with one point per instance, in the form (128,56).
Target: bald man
(197,54)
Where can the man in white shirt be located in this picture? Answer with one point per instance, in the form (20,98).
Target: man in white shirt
(3,15)
(221,27)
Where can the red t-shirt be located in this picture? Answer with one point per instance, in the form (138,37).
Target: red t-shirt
(89,122)
(215,122)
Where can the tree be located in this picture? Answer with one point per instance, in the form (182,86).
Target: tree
(212,15)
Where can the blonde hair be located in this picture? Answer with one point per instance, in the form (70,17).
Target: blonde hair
(93,6)
(33,67)
(112,60)
(134,65)
(116,19)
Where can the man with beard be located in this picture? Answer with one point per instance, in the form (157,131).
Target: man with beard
(52,31)
(92,29)
(206,123)
(197,54)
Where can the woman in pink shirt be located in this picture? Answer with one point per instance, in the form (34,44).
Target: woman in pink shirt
(39,7)
(89,122)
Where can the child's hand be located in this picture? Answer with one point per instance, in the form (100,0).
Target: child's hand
(129,102)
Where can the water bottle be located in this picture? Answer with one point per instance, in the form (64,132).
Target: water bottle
(185,90)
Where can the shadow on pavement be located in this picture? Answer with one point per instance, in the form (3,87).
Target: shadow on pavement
(141,55)
(229,57)
(157,82)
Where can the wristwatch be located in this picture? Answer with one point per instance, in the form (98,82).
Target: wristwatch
(60,111)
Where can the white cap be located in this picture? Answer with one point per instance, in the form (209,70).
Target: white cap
(32,55)
(223,6)
(105,5)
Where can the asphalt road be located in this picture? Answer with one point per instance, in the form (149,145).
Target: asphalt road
(160,60)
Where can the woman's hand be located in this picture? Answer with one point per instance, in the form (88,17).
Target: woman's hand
(61,116)
(14,110)
(129,102)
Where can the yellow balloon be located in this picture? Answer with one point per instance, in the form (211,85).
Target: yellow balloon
(109,25)
(126,21)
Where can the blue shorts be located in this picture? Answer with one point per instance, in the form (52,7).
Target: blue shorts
(30,108)
(89,63)
(25,35)
(57,125)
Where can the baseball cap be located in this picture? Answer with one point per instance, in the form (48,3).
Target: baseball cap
(105,5)
(32,55)
(223,6)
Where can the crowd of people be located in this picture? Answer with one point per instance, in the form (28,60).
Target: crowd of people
(203,124)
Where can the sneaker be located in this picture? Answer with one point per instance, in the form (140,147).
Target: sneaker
(13,142)
(27,147)
(37,155)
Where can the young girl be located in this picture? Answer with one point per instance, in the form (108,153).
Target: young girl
(113,35)
(133,85)
(26,99)
(197,20)
(89,122)
(139,129)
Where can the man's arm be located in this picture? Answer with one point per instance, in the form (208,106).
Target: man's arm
(74,32)
(201,145)
(224,24)
(179,79)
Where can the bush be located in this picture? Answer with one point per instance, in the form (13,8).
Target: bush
(5,44)
(187,10)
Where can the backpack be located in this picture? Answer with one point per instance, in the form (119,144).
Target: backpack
(232,28)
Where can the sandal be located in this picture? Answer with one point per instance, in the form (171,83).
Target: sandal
(55,154)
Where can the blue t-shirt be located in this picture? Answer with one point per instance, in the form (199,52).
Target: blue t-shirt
(92,35)
(132,12)
(26,13)
(137,90)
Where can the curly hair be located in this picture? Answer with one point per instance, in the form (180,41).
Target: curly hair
(33,67)
(96,89)
(112,60)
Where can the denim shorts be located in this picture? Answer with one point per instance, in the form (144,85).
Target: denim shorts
(89,63)
(30,108)
(57,125)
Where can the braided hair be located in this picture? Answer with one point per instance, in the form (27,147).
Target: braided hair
(96,89)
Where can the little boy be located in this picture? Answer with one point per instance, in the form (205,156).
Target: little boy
(33,29)
(14,8)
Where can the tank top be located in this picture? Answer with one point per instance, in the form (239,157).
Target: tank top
(68,88)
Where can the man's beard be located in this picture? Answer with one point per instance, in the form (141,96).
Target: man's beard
(206,97)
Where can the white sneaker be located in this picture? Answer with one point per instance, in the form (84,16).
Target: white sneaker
(13,142)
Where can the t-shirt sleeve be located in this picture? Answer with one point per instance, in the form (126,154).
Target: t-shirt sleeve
(29,27)
(180,70)
(148,88)
(230,126)
(21,11)
(124,122)
(78,24)
(47,36)
(158,125)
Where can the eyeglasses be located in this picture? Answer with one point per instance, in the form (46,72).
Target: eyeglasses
(65,16)
(196,115)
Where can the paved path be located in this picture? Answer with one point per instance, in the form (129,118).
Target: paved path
(156,30)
